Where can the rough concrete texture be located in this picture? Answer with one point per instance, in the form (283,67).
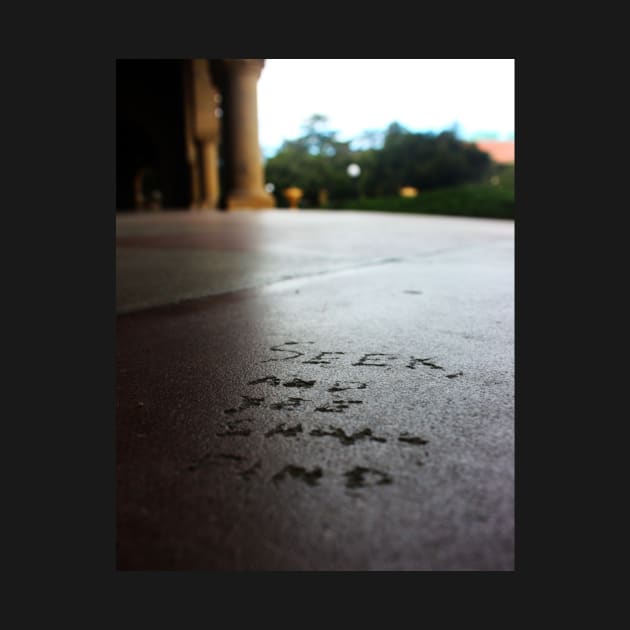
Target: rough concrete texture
(341,399)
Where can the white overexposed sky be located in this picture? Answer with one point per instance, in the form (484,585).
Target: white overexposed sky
(368,94)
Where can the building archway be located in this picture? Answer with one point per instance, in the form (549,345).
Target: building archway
(136,156)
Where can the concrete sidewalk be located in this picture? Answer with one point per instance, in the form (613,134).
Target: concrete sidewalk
(314,391)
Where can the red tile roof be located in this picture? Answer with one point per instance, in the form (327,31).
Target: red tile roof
(501,151)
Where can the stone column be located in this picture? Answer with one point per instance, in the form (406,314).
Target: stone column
(192,151)
(242,158)
(210,171)
(202,133)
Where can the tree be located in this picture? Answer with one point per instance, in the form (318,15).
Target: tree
(318,160)
(313,162)
(318,139)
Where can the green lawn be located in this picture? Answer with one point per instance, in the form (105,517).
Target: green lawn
(472,200)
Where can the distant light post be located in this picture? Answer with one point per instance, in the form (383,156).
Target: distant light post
(354,170)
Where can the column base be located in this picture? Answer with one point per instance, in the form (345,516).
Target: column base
(250,201)
(203,205)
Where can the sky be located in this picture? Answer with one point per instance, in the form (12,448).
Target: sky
(423,95)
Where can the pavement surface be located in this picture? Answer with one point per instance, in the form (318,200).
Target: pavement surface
(314,391)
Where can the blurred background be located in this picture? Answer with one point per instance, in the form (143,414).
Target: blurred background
(432,136)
